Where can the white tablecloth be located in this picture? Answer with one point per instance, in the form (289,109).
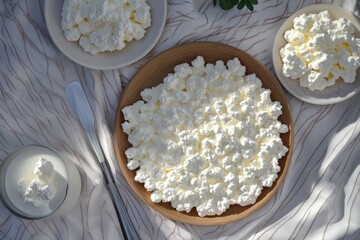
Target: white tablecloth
(319,199)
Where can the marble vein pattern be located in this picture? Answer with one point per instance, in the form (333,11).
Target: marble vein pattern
(319,199)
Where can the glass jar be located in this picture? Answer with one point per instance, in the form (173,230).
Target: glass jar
(20,165)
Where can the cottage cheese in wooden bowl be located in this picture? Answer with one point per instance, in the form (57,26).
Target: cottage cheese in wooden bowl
(209,140)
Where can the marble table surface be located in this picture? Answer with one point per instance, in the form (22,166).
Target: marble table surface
(319,199)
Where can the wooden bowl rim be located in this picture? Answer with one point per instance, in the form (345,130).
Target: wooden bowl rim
(183,216)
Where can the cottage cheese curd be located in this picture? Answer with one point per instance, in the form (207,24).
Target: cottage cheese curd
(101,26)
(320,50)
(38,190)
(205,138)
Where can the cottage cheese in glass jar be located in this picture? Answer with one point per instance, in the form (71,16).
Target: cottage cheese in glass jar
(36,182)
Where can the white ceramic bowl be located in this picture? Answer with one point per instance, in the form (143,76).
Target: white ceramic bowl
(330,95)
(132,52)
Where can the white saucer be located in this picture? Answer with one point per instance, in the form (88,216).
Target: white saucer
(337,93)
(132,52)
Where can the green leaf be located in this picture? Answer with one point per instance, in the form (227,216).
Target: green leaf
(249,6)
(241,4)
(227,4)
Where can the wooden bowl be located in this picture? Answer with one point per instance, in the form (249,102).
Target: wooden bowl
(153,74)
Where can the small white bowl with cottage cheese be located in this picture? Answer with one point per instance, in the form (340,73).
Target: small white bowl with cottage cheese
(36,183)
(204,137)
(105,34)
(316,54)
